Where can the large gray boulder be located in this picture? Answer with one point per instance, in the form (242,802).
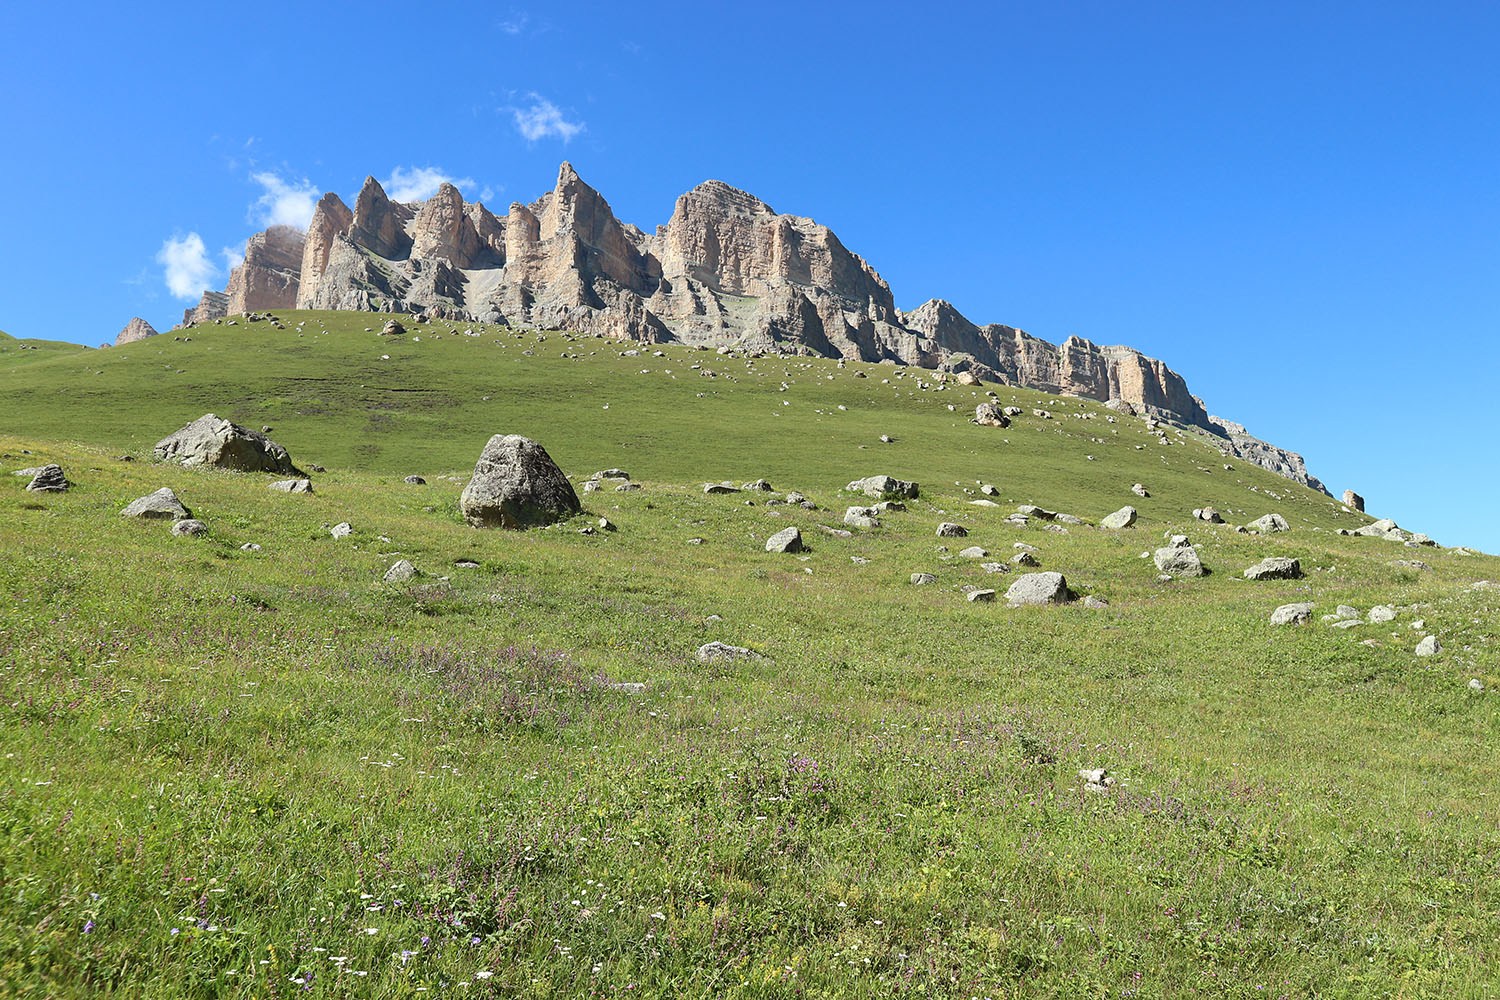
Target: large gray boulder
(161,505)
(216,443)
(1039,588)
(1275,568)
(516,485)
(881,486)
(1180,560)
(1122,518)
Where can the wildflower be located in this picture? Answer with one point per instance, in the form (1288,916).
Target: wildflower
(88,928)
(483,974)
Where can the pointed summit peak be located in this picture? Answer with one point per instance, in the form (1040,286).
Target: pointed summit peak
(136,329)
(566,174)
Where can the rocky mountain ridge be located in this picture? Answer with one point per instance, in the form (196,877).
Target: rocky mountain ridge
(726,270)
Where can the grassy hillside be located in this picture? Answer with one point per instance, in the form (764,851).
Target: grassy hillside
(260,773)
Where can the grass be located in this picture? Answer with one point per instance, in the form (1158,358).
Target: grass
(230,773)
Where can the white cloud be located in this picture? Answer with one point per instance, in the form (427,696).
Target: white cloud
(284,203)
(489,193)
(544,119)
(409,184)
(516,22)
(186,266)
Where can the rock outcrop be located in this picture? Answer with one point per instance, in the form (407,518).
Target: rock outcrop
(268,276)
(210,307)
(725,270)
(137,329)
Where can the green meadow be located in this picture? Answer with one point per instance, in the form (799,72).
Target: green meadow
(247,773)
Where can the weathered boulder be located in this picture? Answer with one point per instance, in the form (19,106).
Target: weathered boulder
(973,552)
(161,505)
(713,489)
(1179,560)
(1429,646)
(49,479)
(400,572)
(414,481)
(393,328)
(785,540)
(516,485)
(1275,568)
(1381,613)
(217,443)
(1208,514)
(1024,559)
(1292,614)
(1122,518)
(341,530)
(882,486)
(861,517)
(980,596)
(719,652)
(1269,523)
(1039,588)
(292,486)
(921,579)
(189,528)
(950,530)
(1139,490)
(990,415)
(1354,501)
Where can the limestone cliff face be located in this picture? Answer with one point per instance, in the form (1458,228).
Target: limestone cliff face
(137,329)
(331,219)
(211,306)
(268,277)
(726,269)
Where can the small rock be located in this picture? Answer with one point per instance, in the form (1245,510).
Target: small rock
(1382,613)
(921,579)
(881,486)
(980,596)
(714,489)
(605,524)
(760,485)
(465,564)
(1122,518)
(1292,614)
(1095,602)
(1024,559)
(627,487)
(994,567)
(973,552)
(292,486)
(611,474)
(1039,588)
(1269,523)
(189,528)
(401,571)
(694,541)
(1275,568)
(1139,490)
(626,687)
(1429,646)
(1180,560)
(1096,779)
(861,517)
(1475,684)
(717,652)
(949,530)
(415,481)
(160,505)
(249,547)
(785,540)
(341,530)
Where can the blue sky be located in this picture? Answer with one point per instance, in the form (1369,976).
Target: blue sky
(1297,206)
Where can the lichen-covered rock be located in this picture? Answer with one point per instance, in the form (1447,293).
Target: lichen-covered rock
(1292,614)
(516,485)
(1179,560)
(1270,523)
(1122,518)
(785,540)
(217,443)
(49,479)
(882,486)
(1039,588)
